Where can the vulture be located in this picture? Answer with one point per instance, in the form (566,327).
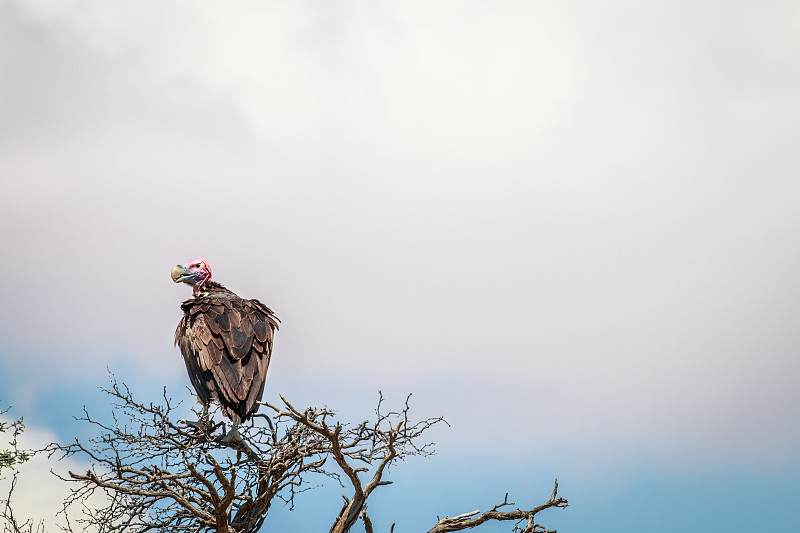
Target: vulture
(226,342)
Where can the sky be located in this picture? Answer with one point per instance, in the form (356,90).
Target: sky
(569,227)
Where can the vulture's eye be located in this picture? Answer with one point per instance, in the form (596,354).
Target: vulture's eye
(198,265)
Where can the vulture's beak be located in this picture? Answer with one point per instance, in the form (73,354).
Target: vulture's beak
(179,273)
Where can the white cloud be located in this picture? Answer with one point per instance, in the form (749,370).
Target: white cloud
(593,201)
(38,494)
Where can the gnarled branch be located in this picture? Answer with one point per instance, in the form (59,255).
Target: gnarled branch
(476,518)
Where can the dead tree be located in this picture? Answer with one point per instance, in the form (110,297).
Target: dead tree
(154,472)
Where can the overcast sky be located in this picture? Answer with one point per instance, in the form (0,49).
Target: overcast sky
(570,224)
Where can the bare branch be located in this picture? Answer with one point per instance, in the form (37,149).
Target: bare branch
(466,520)
(11,523)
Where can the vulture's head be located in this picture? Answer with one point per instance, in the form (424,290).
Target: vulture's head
(193,273)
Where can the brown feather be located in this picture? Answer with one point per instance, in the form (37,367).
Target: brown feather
(260,329)
(224,321)
(226,378)
(236,321)
(201,330)
(213,325)
(238,337)
(247,325)
(216,353)
(248,373)
(219,342)
(240,352)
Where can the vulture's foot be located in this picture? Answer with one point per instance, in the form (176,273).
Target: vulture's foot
(203,425)
(233,436)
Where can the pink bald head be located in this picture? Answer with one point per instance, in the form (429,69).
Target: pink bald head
(195,273)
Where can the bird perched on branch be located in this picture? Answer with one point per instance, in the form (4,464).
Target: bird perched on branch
(226,342)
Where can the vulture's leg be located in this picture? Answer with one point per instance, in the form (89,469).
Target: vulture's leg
(233,435)
(202,424)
